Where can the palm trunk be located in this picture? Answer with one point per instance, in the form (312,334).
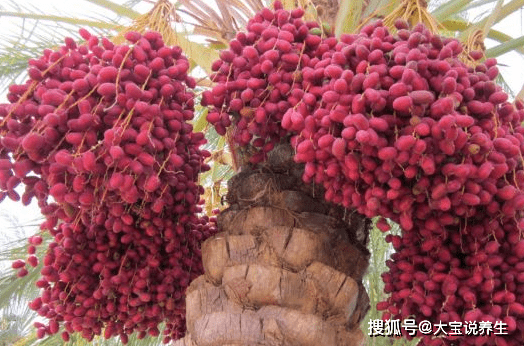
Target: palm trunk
(286,270)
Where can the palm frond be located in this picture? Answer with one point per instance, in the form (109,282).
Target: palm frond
(17,50)
(120,10)
(520,95)
(380,252)
(15,323)
(348,16)
(460,25)
(18,316)
(477,4)
(222,24)
(502,38)
(505,86)
(214,180)
(454,17)
(132,3)
(505,11)
(505,47)
(14,290)
(449,8)
(36,30)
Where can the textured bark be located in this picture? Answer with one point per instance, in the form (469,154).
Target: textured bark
(286,268)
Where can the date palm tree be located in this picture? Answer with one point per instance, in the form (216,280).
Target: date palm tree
(288,268)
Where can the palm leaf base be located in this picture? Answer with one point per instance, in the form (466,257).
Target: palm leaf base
(286,270)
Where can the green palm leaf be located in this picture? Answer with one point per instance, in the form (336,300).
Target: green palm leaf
(36,30)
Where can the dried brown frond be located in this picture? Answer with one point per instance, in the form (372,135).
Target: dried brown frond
(220,20)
